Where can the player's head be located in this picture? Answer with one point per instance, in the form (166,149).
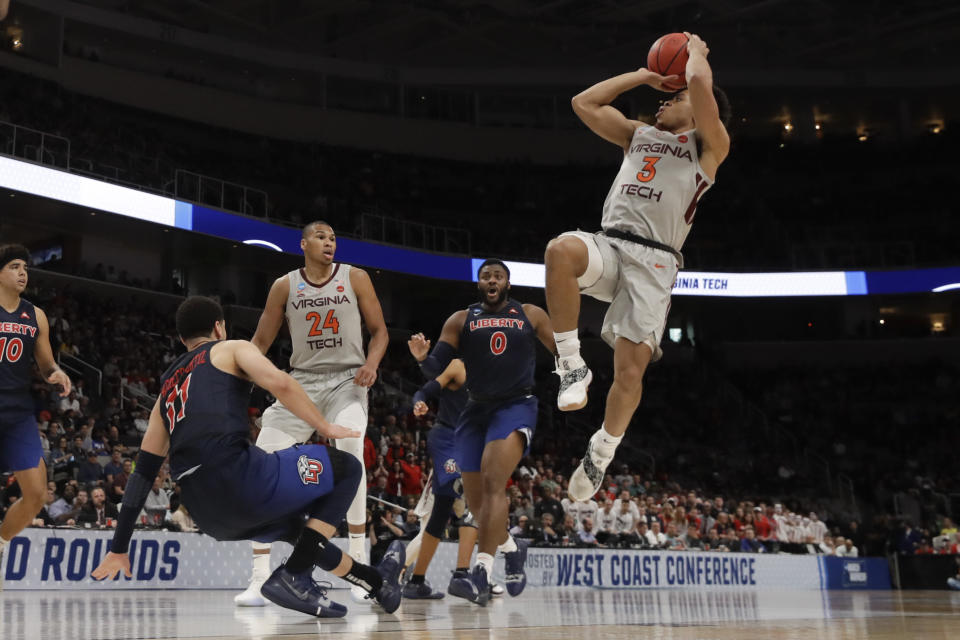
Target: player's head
(319,242)
(493,281)
(200,317)
(14,259)
(676,112)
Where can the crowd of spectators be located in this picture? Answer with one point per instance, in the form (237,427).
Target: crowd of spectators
(701,480)
(804,206)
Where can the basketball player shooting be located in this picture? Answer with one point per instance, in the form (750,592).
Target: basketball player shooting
(633,262)
(323,303)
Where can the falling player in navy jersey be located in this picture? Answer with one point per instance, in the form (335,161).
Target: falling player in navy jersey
(236,491)
(496,339)
(24,337)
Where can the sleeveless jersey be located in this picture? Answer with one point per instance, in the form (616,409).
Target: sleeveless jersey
(18,335)
(205,411)
(452,404)
(324,321)
(499,352)
(656,191)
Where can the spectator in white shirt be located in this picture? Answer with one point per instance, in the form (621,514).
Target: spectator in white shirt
(655,536)
(847,550)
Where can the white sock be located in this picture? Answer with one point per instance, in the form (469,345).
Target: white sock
(605,444)
(509,546)
(486,560)
(261,567)
(568,344)
(358,547)
(3,544)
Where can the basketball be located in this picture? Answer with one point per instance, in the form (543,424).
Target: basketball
(668,56)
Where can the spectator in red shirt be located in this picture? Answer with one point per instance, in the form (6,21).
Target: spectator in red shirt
(396,452)
(412,476)
(762,524)
(120,481)
(395,479)
(369,453)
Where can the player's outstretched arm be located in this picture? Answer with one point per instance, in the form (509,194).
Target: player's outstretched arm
(706,112)
(434,364)
(43,354)
(287,390)
(153,450)
(542,325)
(593,106)
(271,319)
(372,314)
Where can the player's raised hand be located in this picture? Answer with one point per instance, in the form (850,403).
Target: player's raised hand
(420,408)
(112,565)
(337,431)
(366,376)
(661,83)
(695,44)
(419,346)
(62,379)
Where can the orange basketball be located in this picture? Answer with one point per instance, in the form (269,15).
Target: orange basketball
(668,56)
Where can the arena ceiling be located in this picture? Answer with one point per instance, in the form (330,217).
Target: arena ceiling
(747,34)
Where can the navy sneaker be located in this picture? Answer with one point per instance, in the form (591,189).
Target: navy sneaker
(422,591)
(479,579)
(389,569)
(514,563)
(299,591)
(461,587)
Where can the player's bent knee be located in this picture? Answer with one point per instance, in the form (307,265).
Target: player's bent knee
(630,377)
(442,508)
(567,252)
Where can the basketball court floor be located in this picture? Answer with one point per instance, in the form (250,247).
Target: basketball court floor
(538,613)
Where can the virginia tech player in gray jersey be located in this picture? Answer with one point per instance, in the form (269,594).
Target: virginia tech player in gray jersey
(323,304)
(632,263)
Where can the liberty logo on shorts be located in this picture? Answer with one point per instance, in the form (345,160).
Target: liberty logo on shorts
(309,470)
(450,466)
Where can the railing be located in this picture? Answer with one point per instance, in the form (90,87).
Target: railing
(81,368)
(128,393)
(222,194)
(417,235)
(34,145)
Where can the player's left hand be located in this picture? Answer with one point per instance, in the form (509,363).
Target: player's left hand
(112,565)
(366,376)
(695,44)
(62,379)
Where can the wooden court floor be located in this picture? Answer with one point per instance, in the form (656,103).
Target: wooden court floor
(537,613)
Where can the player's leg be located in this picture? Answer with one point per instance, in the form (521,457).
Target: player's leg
(576,263)
(354,415)
(280,430)
(634,325)
(418,587)
(303,476)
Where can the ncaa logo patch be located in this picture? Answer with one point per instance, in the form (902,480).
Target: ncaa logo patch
(450,466)
(309,470)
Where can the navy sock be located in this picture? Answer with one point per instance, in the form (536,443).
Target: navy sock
(415,579)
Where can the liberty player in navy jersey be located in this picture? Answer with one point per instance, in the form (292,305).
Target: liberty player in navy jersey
(24,332)
(496,339)
(451,391)
(236,491)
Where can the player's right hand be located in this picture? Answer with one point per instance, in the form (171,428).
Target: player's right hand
(660,82)
(419,346)
(112,565)
(420,408)
(337,431)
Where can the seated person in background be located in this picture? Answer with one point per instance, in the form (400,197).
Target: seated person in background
(98,510)
(749,542)
(586,534)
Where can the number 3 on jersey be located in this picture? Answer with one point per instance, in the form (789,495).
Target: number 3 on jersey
(170,402)
(330,322)
(498,343)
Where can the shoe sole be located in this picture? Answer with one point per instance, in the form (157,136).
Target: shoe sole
(586,397)
(324,612)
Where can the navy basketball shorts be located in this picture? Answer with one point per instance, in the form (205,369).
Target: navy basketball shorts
(483,422)
(442,447)
(20,447)
(269,496)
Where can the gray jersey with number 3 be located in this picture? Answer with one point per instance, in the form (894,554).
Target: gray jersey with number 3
(324,321)
(656,191)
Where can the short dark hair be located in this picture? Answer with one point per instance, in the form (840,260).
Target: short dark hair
(723,104)
(494,261)
(310,225)
(196,317)
(11,252)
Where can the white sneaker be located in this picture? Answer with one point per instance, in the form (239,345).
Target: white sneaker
(585,481)
(575,379)
(251,597)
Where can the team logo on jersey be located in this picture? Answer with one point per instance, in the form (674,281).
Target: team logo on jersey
(682,139)
(476,312)
(514,311)
(25,315)
(450,466)
(309,470)
(339,288)
(300,287)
